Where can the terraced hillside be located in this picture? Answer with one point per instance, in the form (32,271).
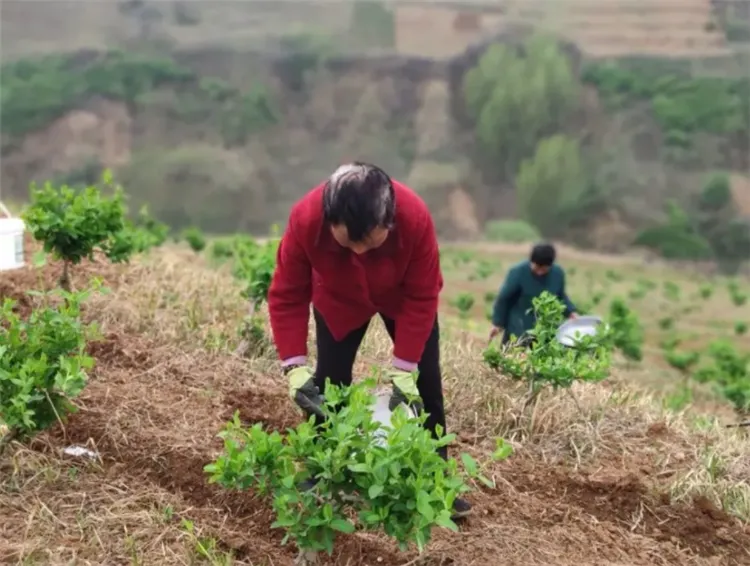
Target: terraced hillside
(600,28)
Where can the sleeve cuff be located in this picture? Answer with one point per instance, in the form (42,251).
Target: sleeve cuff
(403,365)
(295,361)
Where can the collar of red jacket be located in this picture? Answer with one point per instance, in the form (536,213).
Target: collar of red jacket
(326,241)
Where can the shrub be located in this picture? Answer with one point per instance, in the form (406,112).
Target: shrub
(43,362)
(254,265)
(729,371)
(513,231)
(677,238)
(195,238)
(682,104)
(627,331)
(392,479)
(552,187)
(546,361)
(73,224)
(464,303)
(517,98)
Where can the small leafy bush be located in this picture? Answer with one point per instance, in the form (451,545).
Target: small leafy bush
(43,361)
(729,371)
(677,238)
(464,303)
(552,185)
(546,361)
(148,231)
(627,331)
(195,238)
(254,265)
(706,291)
(391,479)
(73,224)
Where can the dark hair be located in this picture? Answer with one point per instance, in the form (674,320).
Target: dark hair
(543,254)
(359,196)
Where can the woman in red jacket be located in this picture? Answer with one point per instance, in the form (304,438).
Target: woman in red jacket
(355,246)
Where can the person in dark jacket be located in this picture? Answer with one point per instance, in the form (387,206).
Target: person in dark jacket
(513,311)
(357,245)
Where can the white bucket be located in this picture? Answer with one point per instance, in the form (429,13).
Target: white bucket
(11,243)
(382,414)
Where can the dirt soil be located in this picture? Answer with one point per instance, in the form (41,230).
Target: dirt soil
(153,412)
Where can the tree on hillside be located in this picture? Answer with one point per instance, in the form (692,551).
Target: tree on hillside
(552,186)
(519,97)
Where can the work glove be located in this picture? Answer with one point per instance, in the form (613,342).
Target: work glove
(404,390)
(304,392)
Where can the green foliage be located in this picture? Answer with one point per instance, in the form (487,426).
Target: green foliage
(464,303)
(671,291)
(513,231)
(484,269)
(682,105)
(305,53)
(718,221)
(716,194)
(627,331)
(546,361)
(247,114)
(552,187)
(712,230)
(681,361)
(518,98)
(729,371)
(389,478)
(43,361)
(73,224)
(677,238)
(195,238)
(254,265)
(36,91)
(147,231)
(706,291)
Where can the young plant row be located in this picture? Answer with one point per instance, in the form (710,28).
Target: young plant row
(44,363)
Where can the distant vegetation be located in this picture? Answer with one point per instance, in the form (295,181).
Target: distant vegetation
(36,91)
(526,104)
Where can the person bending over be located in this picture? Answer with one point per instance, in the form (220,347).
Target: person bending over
(357,245)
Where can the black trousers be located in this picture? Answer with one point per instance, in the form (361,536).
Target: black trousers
(336,361)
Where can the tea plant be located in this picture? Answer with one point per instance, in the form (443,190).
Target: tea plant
(464,303)
(682,362)
(671,291)
(391,479)
(483,270)
(43,361)
(737,296)
(73,224)
(148,232)
(706,291)
(254,265)
(627,331)
(195,238)
(729,370)
(546,361)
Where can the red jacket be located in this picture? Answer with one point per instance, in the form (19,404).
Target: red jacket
(401,279)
